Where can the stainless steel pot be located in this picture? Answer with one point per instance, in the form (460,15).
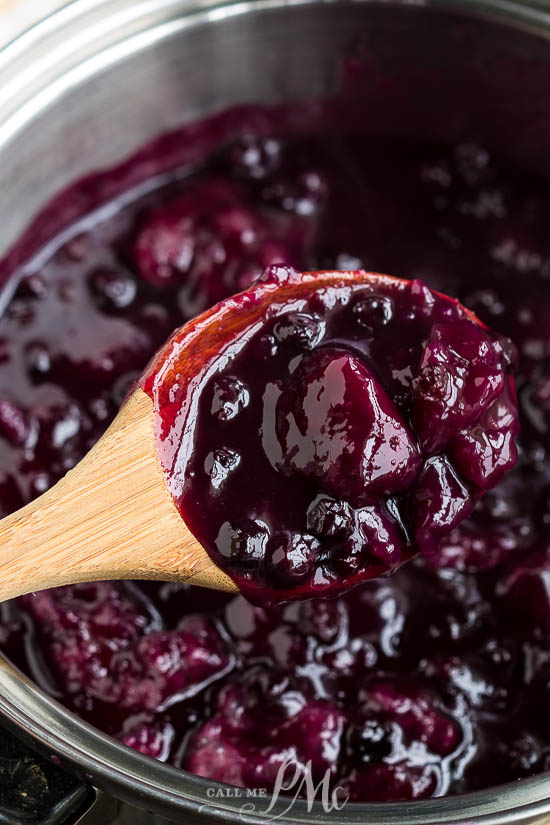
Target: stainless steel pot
(96,80)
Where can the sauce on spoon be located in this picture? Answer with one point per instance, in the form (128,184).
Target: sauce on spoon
(335,425)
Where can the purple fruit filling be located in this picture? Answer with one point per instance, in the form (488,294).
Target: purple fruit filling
(349,427)
(433,681)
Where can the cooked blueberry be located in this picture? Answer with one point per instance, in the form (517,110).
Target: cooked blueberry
(244,543)
(165,246)
(328,517)
(373,311)
(114,288)
(337,426)
(14,423)
(422,301)
(416,711)
(300,329)
(326,619)
(76,248)
(441,500)
(251,156)
(434,383)
(302,195)
(461,373)
(291,557)
(165,667)
(33,286)
(100,409)
(237,228)
(219,464)
(373,739)
(510,354)
(230,396)
(38,360)
(519,754)
(380,534)
(376,539)
(38,482)
(150,739)
(487,450)
(265,347)
(349,557)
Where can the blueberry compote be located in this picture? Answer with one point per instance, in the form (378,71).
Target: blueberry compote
(339,424)
(435,680)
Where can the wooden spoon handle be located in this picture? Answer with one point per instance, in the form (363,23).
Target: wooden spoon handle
(111,517)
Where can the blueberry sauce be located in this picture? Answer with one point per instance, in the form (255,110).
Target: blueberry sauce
(432,681)
(338,424)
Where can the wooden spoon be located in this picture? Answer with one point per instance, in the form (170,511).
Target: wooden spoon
(112,516)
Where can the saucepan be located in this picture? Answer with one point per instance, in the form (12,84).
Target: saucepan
(92,83)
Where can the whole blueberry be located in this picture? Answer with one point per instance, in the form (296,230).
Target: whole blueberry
(372,739)
(113,288)
(373,311)
(220,463)
(14,423)
(252,156)
(229,398)
(327,516)
(38,360)
(243,543)
(300,329)
(291,557)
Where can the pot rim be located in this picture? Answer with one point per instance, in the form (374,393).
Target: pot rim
(138,779)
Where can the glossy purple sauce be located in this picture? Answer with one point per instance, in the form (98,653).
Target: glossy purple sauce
(335,429)
(433,681)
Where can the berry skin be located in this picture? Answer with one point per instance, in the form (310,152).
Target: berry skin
(441,502)
(373,312)
(229,398)
(337,426)
(244,543)
(301,329)
(328,517)
(291,557)
(372,739)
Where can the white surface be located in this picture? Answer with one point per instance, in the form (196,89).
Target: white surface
(18,15)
